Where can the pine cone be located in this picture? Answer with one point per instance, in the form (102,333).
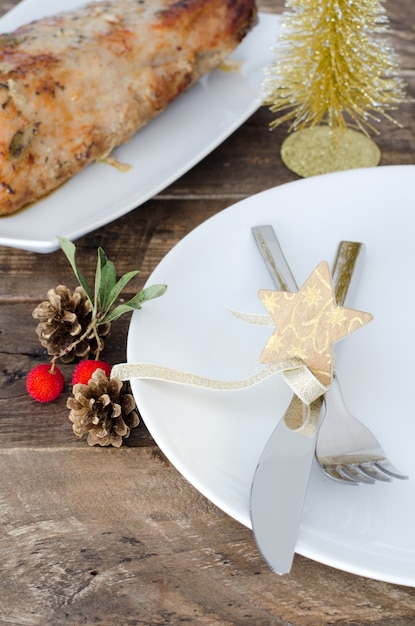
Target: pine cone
(104,409)
(63,318)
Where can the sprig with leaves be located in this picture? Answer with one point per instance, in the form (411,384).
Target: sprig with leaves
(107,290)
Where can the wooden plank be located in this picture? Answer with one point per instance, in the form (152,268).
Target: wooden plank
(118,537)
(6,5)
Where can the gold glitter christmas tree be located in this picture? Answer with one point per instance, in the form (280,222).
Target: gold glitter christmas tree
(335,75)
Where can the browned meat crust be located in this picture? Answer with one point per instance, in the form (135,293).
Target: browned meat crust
(75,85)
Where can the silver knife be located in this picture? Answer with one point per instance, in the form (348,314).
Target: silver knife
(281,478)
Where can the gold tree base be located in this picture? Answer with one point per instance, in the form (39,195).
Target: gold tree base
(321,149)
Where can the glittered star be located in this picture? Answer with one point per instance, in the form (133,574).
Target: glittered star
(309,322)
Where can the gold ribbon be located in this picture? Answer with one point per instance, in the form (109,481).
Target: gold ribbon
(258,319)
(302,414)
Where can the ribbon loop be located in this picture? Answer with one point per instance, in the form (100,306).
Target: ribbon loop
(303,418)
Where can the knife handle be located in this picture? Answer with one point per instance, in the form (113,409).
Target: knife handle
(274,258)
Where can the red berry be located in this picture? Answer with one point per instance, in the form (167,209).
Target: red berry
(86,368)
(45,384)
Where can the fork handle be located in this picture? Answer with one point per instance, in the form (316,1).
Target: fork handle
(346,270)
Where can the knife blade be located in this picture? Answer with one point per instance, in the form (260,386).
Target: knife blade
(281,478)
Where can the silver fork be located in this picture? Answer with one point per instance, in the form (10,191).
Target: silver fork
(341,454)
(346,449)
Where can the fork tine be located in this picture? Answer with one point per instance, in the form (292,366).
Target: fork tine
(332,472)
(353,472)
(367,473)
(388,469)
(370,469)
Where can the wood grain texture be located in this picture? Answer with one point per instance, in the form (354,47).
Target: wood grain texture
(98,548)
(103,536)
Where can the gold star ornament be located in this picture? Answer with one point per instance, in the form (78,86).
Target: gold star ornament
(308,323)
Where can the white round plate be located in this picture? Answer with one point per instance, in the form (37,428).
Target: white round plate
(215,438)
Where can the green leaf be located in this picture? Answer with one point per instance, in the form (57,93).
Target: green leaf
(155,291)
(117,289)
(97,289)
(108,281)
(69,249)
(116,313)
(135,303)
(104,280)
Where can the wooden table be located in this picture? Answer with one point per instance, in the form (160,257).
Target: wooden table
(117,536)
